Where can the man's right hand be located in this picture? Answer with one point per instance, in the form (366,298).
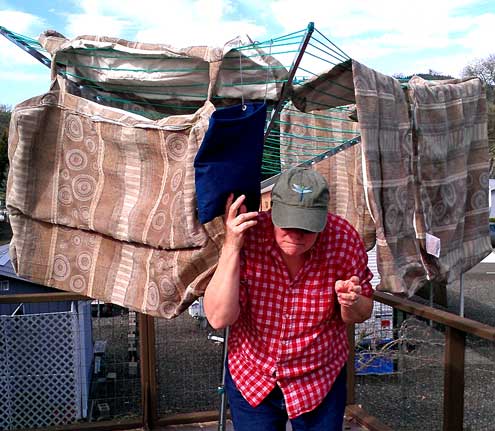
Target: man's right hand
(237,221)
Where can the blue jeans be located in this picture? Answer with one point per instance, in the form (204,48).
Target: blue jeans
(271,414)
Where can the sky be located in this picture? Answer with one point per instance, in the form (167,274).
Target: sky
(393,37)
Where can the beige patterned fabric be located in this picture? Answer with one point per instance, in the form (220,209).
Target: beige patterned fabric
(330,89)
(424,175)
(304,136)
(452,172)
(389,177)
(102,203)
(170,79)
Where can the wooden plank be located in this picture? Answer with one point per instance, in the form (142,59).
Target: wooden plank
(153,387)
(121,424)
(42,297)
(360,416)
(144,367)
(189,418)
(351,369)
(445,318)
(453,398)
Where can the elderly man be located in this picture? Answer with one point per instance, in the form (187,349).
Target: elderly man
(288,280)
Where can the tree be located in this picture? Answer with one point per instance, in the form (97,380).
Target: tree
(484,69)
(4,117)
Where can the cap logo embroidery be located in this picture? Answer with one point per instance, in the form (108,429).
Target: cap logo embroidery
(302,190)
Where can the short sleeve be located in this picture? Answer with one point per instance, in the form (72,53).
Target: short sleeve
(360,267)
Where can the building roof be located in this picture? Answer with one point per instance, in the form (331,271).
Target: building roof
(6,268)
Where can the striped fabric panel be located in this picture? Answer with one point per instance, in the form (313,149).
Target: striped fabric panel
(124,274)
(131,188)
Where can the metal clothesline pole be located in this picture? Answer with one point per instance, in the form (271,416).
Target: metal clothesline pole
(26,47)
(221,389)
(288,85)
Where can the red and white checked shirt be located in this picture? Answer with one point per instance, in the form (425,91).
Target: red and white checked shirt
(290,332)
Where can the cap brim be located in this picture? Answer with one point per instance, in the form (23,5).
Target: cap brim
(287,216)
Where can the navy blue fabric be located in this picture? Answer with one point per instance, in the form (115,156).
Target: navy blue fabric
(229,159)
(271,415)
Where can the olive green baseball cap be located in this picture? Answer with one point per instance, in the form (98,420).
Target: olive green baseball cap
(300,200)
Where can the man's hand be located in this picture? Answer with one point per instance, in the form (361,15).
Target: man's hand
(348,291)
(237,221)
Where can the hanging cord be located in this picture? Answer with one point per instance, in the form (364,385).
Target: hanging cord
(267,70)
(244,107)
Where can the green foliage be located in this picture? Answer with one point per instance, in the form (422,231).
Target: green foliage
(4,119)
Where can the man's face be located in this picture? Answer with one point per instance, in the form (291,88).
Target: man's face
(294,242)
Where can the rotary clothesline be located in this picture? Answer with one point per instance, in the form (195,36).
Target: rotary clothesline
(287,77)
(298,57)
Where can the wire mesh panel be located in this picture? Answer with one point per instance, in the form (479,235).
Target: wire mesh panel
(479,376)
(410,397)
(39,369)
(116,386)
(188,366)
(50,374)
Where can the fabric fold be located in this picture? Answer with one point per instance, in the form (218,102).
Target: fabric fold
(102,203)
(161,283)
(303,136)
(452,173)
(389,178)
(79,164)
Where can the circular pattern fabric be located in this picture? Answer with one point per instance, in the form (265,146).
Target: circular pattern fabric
(167,288)
(167,309)
(61,267)
(76,160)
(65,174)
(177,179)
(84,187)
(158,221)
(65,195)
(77,283)
(90,145)
(76,240)
(73,127)
(84,214)
(448,194)
(176,146)
(479,199)
(84,261)
(153,298)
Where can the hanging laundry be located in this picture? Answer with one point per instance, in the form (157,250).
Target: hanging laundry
(452,173)
(102,202)
(326,90)
(229,159)
(389,177)
(158,79)
(80,164)
(305,135)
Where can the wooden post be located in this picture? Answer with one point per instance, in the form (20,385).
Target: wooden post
(351,369)
(153,388)
(144,368)
(453,398)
